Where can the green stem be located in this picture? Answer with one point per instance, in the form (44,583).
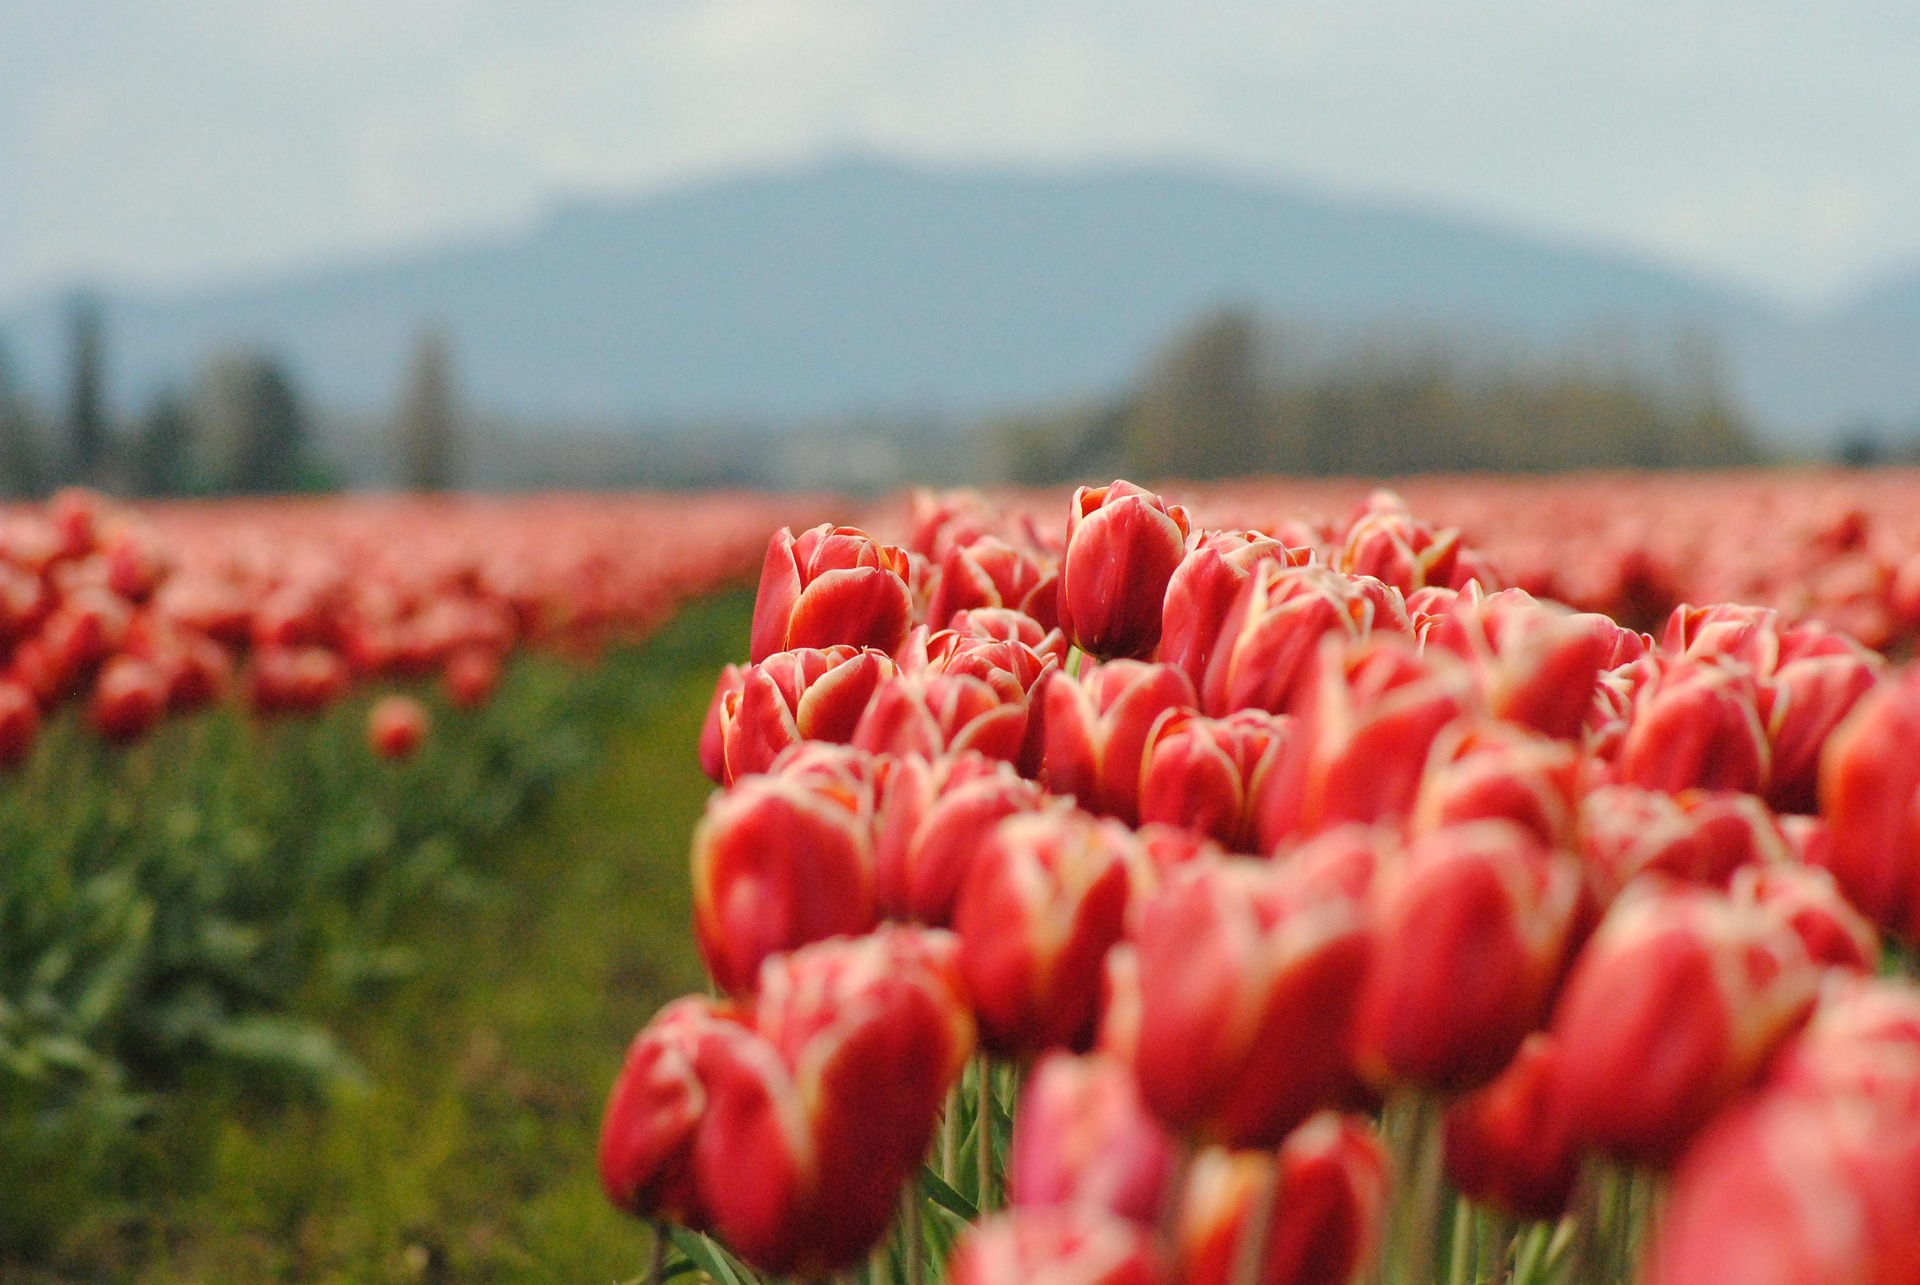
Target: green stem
(983,1130)
(910,1234)
(1463,1257)
(657,1256)
(950,1139)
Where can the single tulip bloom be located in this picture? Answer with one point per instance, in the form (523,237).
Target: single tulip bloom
(1803,701)
(1097,727)
(1326,1197)
(934,816)
(1671,1009)
(396,727)
(765,709)
(1123,544)
(19,723)
(990,573)
(778,862)
(1697,836)
(1360,748)
(1512,1144)
(1082,1136)
(1046,899)
(1384,540)
(1535,664)
(1494,771)
(1870,796)
(1697,725)
(129,699)
(1808,901)
(1263,656)
(1472,933)
(813,1128)
(830,586)
(1247,986)
(934,714)
(1068,1245)
(1202,591)
(1205,774)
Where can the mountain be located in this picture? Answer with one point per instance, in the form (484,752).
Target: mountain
(866,286)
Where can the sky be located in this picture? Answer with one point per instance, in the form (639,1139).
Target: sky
(176,143)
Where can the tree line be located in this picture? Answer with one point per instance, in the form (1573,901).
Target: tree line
(243,428)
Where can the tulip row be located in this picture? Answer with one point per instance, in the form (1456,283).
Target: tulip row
(138,615)
(1305,882)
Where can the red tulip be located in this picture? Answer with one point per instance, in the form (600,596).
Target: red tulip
(656,1109)
(1097,728)
(396,725)
(19,723)
(1045,900)
(1263,657)
(934,714)
(1082,1136)
(1360,749)
(830,586)
(1384,540)
(1870,795)
(1326,1205)
(934,816)
(780,861)
(302,680)
(1809,902)
(1493,771)
(1202,591)
(988,572)
(1697,724)
(1695,837)
(992,624)
(1472,932)
(1205,774)
(1247,981)
(1803,701)
(795,696)
(1535,664)
(472,675)
(812,1129)
(1070,1245)
(1123,545)
(128,699)
(1671,1009)
(1512,1144)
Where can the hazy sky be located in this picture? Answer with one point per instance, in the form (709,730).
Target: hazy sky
(179,141)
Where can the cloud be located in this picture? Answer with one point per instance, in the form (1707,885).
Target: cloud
(171,141)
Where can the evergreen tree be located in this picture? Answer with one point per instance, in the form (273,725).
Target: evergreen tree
(21,474)
(1201,413)
(161,453)
(272,450)
(427,430)
(87,433)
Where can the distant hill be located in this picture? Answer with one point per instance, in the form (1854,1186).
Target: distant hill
(862,286)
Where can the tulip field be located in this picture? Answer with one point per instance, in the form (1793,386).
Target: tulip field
(1489,880)
(1498,881)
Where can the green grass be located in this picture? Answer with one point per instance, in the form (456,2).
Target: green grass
(465,1151)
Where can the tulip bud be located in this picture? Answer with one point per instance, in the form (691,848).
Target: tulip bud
(19,723)
(1247,982)
(1512,1144)
(1472,932)
(1123,544)
(1697,724)
(1082,1136)
(1671,1009)
(128,700)
(934,816)
(396,725)
(1263,657)
(1870,795)
(472,675)
(1534,663)
(795,696)
(1360,748)
(656,1109)
(812,1129)
(934,714)
(1046,899)
(940,520)
(990,573)
(1809,902)
(1803,701)
(1202,591)
(830,586)
(1070,1245)
(1697,836)
(1492,771)
(778,862)
(1749,635)
(1384,540)
(301,680)
(1002,625)
(1325,1195)
(1204,774)
(1097,728)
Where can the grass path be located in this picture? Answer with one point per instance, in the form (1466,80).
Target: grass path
(468,1153)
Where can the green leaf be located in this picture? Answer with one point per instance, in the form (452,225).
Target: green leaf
(946,1197)
(710,1258)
